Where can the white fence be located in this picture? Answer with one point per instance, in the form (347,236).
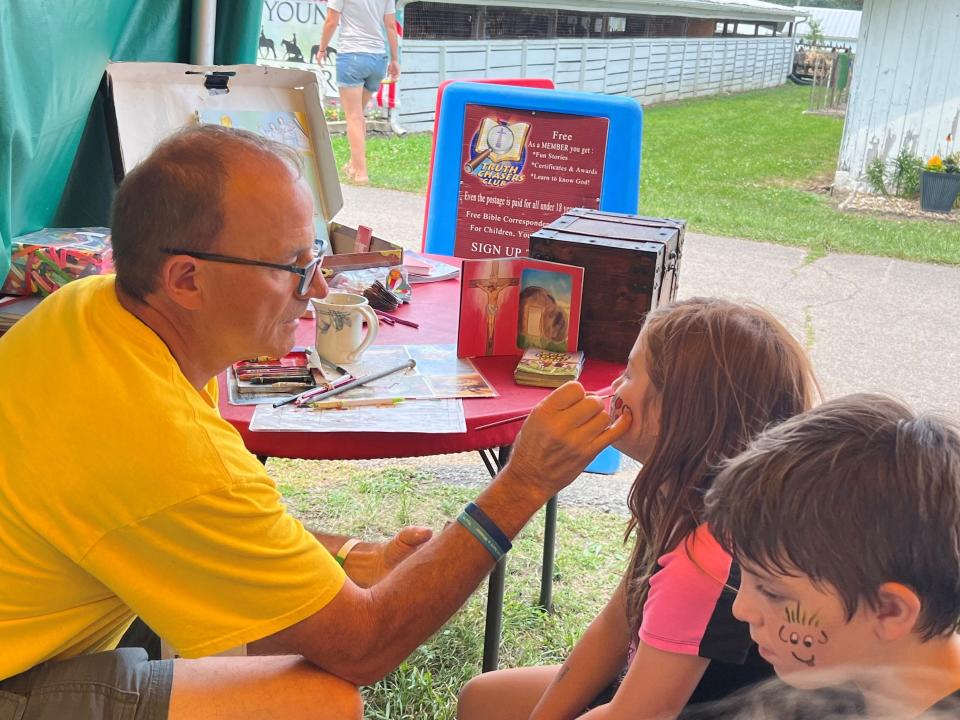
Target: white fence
(651,70)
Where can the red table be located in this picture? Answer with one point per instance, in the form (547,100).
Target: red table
(435,307)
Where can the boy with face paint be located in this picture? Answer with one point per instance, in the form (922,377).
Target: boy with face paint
(844,521)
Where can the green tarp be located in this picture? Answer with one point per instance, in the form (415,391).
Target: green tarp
(54,161)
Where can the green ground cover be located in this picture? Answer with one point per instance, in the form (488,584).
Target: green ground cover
(373,502)
(751,165)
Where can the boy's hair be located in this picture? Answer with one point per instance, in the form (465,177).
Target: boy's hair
(724,371)
(855,493)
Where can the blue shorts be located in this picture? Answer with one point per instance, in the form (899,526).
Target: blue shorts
(356,69)
(115,685)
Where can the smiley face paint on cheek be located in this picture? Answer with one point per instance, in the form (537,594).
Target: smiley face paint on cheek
(802,632)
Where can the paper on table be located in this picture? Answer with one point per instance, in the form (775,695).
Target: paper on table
(439,373)
(424,416)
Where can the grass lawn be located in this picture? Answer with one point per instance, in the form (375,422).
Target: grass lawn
(375,502)
(742,165)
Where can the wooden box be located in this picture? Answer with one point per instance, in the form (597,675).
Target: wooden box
(631,266)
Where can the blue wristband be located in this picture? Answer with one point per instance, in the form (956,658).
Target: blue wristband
(480,534)
(498,536)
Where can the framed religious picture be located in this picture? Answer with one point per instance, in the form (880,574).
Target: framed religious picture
(510,304)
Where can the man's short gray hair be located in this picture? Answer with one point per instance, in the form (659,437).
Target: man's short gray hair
(175,198)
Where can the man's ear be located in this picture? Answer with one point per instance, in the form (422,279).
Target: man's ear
(179,279)
(897,612)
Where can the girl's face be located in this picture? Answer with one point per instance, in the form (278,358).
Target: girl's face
(635,391)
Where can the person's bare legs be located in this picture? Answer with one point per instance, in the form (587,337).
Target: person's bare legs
(505,694)
(351,99)
(363,114)
(266,688)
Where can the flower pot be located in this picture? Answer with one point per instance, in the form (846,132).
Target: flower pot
(938,191)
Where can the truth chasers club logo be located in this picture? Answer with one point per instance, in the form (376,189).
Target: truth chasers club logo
(498,152)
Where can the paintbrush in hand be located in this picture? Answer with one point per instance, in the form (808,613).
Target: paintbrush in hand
(518,418)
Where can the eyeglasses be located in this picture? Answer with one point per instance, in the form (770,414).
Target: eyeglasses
(306,273)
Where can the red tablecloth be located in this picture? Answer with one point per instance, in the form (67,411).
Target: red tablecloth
(435,307)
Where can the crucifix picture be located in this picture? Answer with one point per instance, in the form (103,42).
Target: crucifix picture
(492,286)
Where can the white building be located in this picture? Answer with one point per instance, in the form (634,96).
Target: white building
(840,28)
(654,51)
(906,90)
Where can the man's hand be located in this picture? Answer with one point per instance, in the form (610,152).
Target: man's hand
(563,434)
(368,563)
(393,71)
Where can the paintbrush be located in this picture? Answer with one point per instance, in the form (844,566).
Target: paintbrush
(356,382)
(518,418)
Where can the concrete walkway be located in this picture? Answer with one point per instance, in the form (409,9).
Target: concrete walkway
(871,324)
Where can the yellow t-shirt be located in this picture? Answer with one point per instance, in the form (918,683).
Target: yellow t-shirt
(123,492)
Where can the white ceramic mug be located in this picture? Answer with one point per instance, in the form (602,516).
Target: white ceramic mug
(340,317)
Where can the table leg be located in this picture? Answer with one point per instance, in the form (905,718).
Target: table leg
(549,548)
(494,623)
(503,454)
(494,620)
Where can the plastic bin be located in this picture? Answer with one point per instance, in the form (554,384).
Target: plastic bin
(606,463)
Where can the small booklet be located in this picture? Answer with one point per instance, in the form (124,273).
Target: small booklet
(548,368)
(421,269)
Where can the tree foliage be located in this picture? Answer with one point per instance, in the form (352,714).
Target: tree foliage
(814,35)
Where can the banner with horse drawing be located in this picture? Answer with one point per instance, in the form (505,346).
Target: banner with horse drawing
(290,33)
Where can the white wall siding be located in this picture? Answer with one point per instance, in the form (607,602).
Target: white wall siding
(906,85)
(651,70)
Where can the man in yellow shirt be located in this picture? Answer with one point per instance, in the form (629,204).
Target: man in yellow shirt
(126,494)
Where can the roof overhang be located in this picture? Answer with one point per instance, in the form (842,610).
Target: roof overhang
(747,10)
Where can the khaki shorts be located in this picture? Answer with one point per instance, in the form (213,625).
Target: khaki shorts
(116,685)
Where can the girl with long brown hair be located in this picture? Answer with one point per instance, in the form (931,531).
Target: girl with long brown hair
(703,378)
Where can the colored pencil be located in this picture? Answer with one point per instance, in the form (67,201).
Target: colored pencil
(353,402)
(395,319)
(305,397)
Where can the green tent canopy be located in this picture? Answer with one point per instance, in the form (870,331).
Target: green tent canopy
(55,167)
